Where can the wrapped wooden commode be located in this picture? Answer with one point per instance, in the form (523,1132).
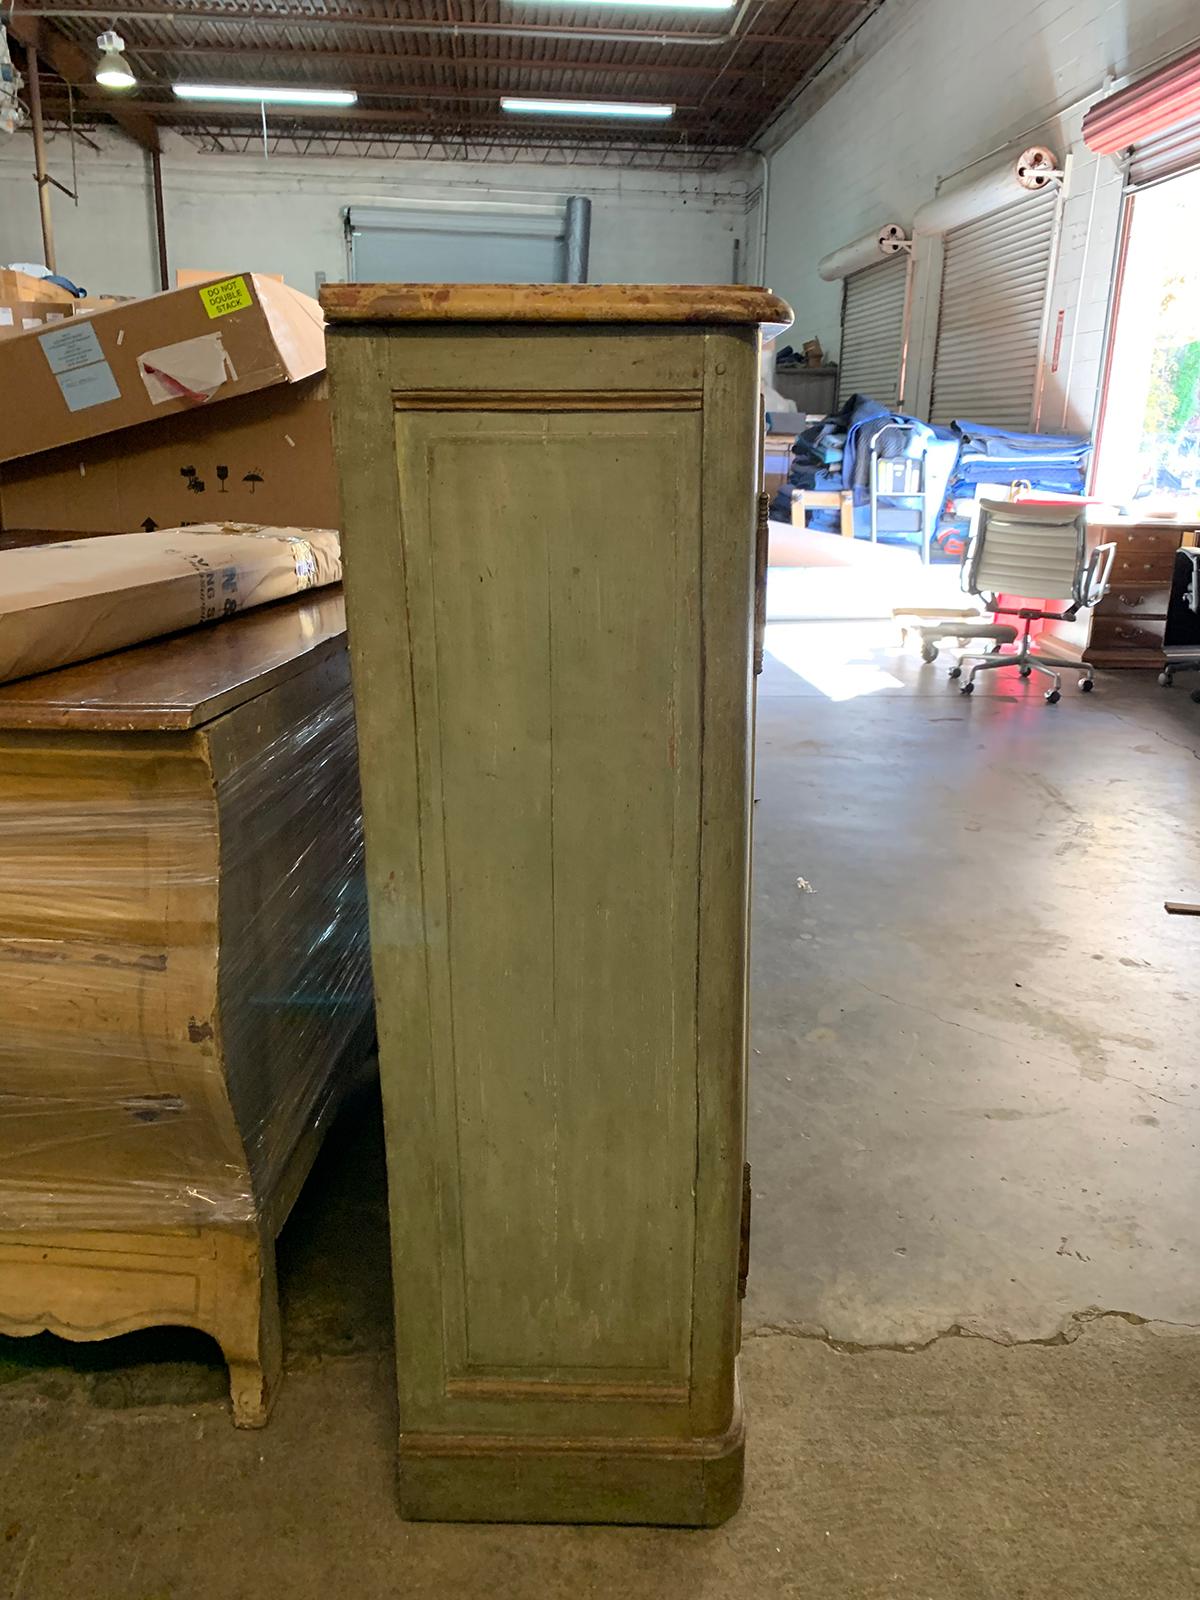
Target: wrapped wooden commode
(184,976)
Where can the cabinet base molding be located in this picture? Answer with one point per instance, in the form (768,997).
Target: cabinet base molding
(690,1483)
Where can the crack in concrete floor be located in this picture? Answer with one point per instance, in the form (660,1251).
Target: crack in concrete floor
(1072,1327)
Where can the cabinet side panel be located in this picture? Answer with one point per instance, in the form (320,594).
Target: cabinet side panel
(553,569)
(377,612)
(730,481)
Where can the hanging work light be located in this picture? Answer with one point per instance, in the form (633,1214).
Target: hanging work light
(112,70)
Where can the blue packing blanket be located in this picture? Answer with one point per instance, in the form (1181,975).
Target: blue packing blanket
(834,454)
(1053,461)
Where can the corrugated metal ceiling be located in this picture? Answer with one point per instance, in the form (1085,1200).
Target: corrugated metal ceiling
(439,67)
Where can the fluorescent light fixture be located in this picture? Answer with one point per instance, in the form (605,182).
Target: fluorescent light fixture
(246,95)
(112,70)
(646,109)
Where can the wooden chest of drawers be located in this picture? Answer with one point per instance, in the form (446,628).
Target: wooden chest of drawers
(184,976)
(1126,628)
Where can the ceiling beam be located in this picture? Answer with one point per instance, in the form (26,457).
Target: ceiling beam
(297,54)
(336,19)
(74,66)
(364,91)
(178,112)
(501,148)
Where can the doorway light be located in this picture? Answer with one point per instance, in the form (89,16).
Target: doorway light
(246,94)
(646,109)
(112,70)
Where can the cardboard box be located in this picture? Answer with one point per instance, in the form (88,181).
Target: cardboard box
(84,305)
(263,458)
(154,358)
(24,286)
(189,277)
(18,316)
(67,602)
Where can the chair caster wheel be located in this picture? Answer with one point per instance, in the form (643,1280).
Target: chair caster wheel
(967,688)
(1052,697)
(1026,672)
(1195,696)
(956,672)
(929,652)
(1165,679)
(1086,685)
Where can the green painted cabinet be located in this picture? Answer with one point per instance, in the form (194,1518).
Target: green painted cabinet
(549,521)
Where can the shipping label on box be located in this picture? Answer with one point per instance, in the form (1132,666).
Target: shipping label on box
(77,362)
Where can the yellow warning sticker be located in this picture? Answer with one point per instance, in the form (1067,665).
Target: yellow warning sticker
(231,294)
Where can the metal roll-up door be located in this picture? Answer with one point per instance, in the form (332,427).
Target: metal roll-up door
(1169,155)
(873,308)
(462,241)
(1156,105)
(995,279)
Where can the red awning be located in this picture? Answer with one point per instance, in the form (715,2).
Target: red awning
(1154,104)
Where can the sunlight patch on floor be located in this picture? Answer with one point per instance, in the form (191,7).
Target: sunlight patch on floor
(835,659)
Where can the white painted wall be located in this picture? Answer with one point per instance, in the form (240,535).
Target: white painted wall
(284,215)
(927,87)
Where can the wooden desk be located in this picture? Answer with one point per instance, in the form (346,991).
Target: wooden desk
(554,684)
(183,976)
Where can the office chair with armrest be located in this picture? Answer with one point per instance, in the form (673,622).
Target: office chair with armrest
(1041,549)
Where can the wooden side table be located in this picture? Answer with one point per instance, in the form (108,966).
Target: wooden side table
(549,535)
(839,500)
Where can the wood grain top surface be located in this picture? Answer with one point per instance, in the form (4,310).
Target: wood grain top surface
(183,681)
(553,302)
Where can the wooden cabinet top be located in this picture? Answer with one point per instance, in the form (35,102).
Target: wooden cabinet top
(184,681)
(553,302)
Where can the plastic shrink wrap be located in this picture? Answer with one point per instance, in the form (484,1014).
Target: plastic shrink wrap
(184,966)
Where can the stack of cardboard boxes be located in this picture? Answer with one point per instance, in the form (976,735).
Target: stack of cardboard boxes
(27,302)
(204,404)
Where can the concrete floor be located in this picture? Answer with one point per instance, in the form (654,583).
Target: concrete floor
(977,1079)
(975,1102)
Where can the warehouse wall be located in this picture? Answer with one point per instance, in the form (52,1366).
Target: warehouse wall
(926,87)
(284,215)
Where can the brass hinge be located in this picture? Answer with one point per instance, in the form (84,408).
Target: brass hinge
(744,1244)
